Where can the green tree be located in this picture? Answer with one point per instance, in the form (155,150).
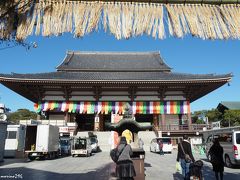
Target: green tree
(232,117)
(214,115)
(21,114)
(197,116)
(200,121)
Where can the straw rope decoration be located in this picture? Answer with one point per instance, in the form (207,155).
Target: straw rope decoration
(122,19)
(7,21)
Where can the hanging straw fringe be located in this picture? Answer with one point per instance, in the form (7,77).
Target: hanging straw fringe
(7,21)
(122,19)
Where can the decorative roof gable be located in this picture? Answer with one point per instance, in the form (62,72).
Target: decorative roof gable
(231,105)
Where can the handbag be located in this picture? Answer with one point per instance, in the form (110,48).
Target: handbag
(115,155)
(186,156)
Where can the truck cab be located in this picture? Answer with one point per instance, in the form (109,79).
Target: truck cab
(65,146)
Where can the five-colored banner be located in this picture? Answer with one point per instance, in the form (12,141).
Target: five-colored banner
(106,107)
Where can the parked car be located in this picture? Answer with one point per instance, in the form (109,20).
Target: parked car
(94,144)
(81,146)
(230,141)
(167,145)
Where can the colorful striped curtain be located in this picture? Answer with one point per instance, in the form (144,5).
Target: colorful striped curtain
(139,107)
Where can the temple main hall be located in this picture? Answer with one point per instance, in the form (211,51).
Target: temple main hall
(90,89)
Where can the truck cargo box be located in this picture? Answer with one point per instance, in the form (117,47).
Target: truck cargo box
(47,138)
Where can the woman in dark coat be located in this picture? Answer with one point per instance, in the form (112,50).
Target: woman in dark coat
(184,147)
(125,168)
(216,153)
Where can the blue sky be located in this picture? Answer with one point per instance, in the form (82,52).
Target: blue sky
(187,55)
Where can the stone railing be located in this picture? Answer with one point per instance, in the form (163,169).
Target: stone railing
(57,122)
(193,127)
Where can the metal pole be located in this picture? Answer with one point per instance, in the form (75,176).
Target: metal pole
(206,118)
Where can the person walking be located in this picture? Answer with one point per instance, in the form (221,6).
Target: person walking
(185,156)
(124,165)
(160,144)
(216,154)
(140,143)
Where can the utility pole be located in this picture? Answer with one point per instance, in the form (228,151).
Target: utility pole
(206,121)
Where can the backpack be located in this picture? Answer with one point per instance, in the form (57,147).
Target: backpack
(114,154)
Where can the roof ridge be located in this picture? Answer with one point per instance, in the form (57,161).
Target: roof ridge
(161,61)
(230,101)
(113,52)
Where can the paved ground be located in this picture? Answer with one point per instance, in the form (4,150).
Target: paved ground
(99,167)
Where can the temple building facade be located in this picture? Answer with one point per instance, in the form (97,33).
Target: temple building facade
(90,89)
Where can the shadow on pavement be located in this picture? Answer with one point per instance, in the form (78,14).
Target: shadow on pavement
(30,174)
(12,160)
(208,174)
(7,161)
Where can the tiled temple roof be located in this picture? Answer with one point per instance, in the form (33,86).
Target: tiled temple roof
(79,76)
(107,66)
(113,61)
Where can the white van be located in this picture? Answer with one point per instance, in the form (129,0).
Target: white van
(167,145)
(230,141)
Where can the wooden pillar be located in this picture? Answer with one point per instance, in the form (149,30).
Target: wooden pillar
(101,123)
(163,117)
(155,121)
(180,119)
(189,116)
(66,117)
(189,121)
